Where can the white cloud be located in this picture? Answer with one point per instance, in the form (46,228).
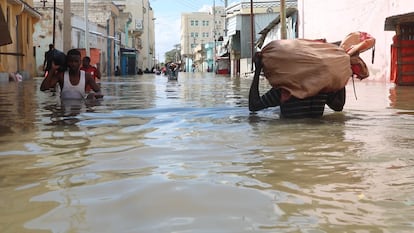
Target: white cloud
(205,8)
(167,34)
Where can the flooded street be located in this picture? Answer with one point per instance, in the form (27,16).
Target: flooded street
(188,156)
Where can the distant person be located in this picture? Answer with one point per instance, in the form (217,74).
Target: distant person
(48,58)
(292,107)
(15,77)
(72,81)
(117,71)
(88,68)
(172,70)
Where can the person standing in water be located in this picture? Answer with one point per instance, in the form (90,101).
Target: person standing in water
(47,63)
(88,68)
(72,81)
(292,107)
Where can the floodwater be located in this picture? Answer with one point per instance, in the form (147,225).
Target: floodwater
(188,156)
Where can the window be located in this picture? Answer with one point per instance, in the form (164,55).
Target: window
(196,22)
(205,23)
(192,23)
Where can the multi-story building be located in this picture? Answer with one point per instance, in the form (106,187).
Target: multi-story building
(65,27)
(16,45)
(200,32)
(103,13)
(122,32)
(140,31)
(244,22)
(44,35)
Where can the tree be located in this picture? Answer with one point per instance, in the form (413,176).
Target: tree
(173,55)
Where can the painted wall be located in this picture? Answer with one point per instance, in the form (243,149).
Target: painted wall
(20,18)
(334,19)
(43,35)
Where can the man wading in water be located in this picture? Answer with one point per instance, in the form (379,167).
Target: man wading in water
(73,81)
(292,107)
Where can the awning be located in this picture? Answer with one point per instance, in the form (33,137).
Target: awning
(392,21)
(5,37)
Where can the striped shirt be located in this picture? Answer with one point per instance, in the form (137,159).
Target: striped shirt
(311,107)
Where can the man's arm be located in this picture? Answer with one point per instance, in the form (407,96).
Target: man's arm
(336,100)
(51,79)
(44,62)
(98,70)
(89,80)
(255,103)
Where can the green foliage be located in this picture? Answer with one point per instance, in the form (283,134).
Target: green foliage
(173,55)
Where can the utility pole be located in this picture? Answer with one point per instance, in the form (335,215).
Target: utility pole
(54,22)
(67,26)
(194,45)
(148,35)
(252,32)
(283,33)
(214,34)
(86,28)
(225,19)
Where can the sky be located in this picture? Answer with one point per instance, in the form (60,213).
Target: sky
(168,20)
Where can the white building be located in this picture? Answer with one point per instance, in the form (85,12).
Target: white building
(140,31)
(334,19)
(198,29)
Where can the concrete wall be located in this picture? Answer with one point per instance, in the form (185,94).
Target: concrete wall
(334,19)
(20,18)
(43,35)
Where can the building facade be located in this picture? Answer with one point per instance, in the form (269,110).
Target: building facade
(364,15)
(17,55)
(100,40)
(140,32)
(200,32)
(244,22)
(121,32)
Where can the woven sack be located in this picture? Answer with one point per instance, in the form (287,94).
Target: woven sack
(305,68)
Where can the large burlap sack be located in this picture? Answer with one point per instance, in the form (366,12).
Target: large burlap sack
(305,68)
(357,42)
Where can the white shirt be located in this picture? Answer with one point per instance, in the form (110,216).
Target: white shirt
(70,91)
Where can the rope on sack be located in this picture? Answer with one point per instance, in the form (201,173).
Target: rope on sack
(353,85)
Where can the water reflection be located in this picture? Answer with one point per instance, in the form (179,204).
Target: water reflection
(17,109)
(187,155)
(401,97)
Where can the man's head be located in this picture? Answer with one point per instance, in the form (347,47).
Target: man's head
(86,61)
(51,46)
(73,58)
